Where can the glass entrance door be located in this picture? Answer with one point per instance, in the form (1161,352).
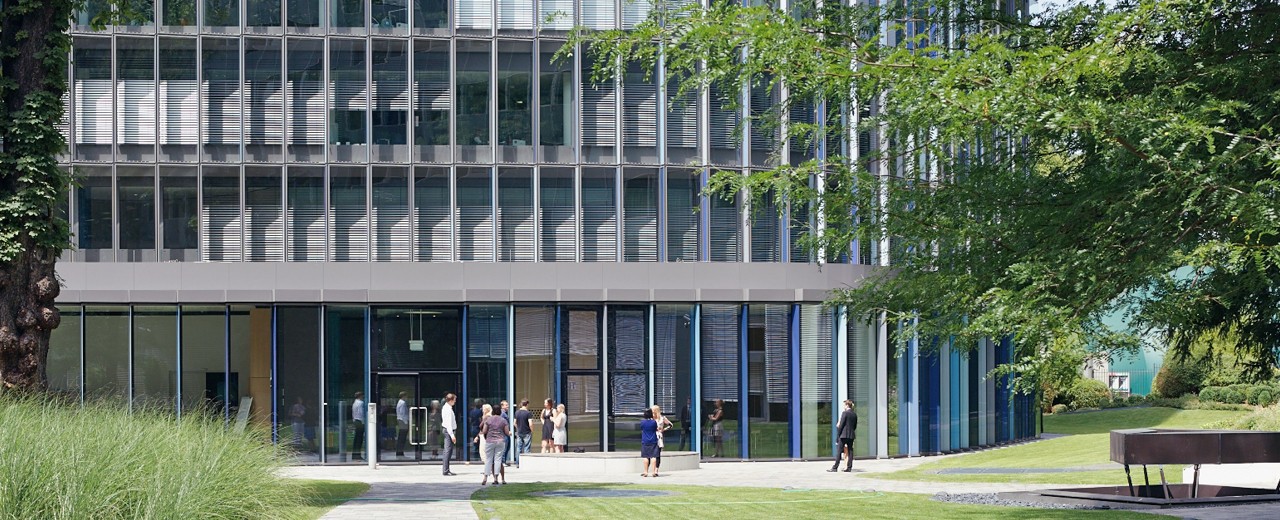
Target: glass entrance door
(409,423)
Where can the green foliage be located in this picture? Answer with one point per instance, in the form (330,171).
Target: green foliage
(100,460)
(1261,395)
(1177,378)
(1145,144)
(1230,395)
(1211,393)
(1088,393)
(1262,419)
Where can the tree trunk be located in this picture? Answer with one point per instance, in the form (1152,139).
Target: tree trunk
(33,65)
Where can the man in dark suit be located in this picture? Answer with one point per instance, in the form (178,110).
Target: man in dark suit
(845,432)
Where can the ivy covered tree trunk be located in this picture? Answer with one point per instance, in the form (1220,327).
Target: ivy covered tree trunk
(33,64)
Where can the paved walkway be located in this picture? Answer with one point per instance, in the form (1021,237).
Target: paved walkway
(422,492)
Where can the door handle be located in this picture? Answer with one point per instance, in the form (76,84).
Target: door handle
(423,441)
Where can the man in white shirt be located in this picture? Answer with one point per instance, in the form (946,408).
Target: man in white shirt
(402,424)
(357,418)
(449,423)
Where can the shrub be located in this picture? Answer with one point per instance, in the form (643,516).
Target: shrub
(1211,393)
(1262,419)
(1177,379)
(1135,400)
(1088,393)
(1230,395)
(1058,408)
(1261,395)
(101,460)
(1191,402)
(1240,387)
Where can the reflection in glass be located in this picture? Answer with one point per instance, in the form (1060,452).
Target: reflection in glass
(673,365)
(388,14)
(390,214)
(431,84)
(262,13)
(816,328)
(304,13)
(204,360)
(136,191)
(345,374)
(306,100)
(347,13)
(179,12)
(178,209)
(155,357)
(683,188)
(264,213)
(515,95)
(221,13)
(221,103)
(106,358)
(390,94)
(62,370)
(535,335)
(863,340)
(417,338)
(720,336)
(297,387)
(93,209)
(555,104)
(559,215)
(769,384)
(431,14)
(472,98)
(629,379)
(263,131)
(350,103)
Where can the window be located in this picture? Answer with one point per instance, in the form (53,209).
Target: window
(558,240)
(683,217)
(349,99)
(220,222)
(515,215)
(221,13)
(555,105)
(474,16)
(348,213)
(432,15)
(93,209)
(262,13)
(136,99)
(472,100)
(599,215)
(433,214)
(390,214)
(307,221)
(179,213)
(640,215)
(720,349)
(390,100)
(639,115)
(599,115)
(628,377)
(94,99)
(264,214)
(475,214)
(769,380)
(136,201)
(431,83)
(515,101)
(221,106)
(264,94)
(179,109)
(155,357)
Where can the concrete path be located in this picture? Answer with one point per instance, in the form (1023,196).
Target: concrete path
(420,491)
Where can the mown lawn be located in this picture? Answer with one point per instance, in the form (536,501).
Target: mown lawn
(1087,444)
(515,501)
(319,496)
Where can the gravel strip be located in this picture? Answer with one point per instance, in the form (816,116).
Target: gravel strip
(992,499)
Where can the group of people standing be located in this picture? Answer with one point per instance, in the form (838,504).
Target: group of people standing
(651,429)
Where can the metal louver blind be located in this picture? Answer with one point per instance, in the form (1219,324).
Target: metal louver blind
(765,243)
(474,14)
(640,220)
(431,89)
(862,362)
(64,124)
(682,117)
(349,230)
(306,112)
(599,115)
(724,120)
(763,132)
(391,232)
(798,229)
(434,227)
(94,113)
(720,352)
(725,235)
(777,353)
(628,393)
(629,340)
(265,117)
(559,221)
(137,102)
(179,110)
(515,14)
(639,114)
(634,12)
(598,14)
(556,14)
(221,110)
(584,337)
(265,241)
(516,232)
(682,219)
(665,328)
(220,230)
(475,222)
(535,332)
(815,353)
(599,220)
(348,94)
(486,335)
(802,113)
(307,229)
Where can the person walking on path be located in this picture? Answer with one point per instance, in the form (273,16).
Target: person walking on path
(548,425)
(715,419)
(495,430)
(449,423)
(686,424)
(649,443)
(845,430)
(663,425)
(505,407)
(524,429)
(357,419)
(560,434)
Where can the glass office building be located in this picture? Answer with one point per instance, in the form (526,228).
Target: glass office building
(284,202)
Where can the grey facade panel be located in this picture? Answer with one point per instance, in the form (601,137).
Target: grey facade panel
(535,295)
(254,296)
(487,295)
(581,295)
(628,295)
(721,295)
(346,295)
(149,296)
(295,295)
(771,295)
(675,295)
(202,296)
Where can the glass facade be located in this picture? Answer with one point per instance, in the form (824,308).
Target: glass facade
(435,138)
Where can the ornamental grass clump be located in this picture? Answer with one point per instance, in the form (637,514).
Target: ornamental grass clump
(67,461)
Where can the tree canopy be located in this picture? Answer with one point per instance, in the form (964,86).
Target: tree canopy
(1023,175)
